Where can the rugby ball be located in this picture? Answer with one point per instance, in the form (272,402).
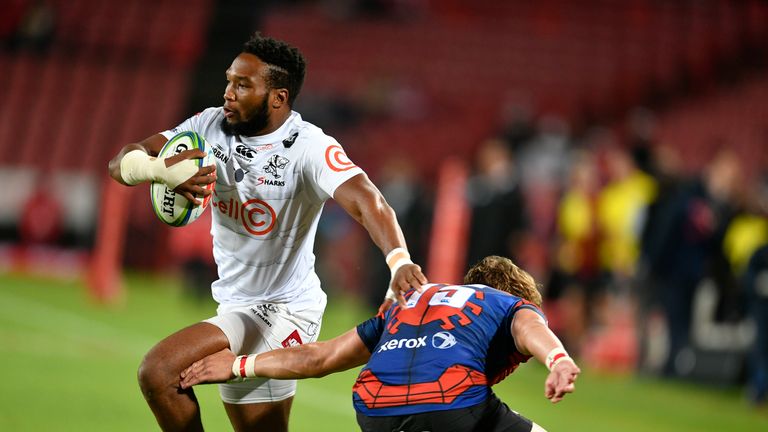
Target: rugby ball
(173,208)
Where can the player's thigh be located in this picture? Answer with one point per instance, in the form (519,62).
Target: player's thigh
(179,350)
(265,416)
(263,327)
(259,328)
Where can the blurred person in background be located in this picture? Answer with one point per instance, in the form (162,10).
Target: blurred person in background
(622,204)
(664,165)
(498,211)
(279,170)
(405,193)
(431,364)
(542,165)
(575,275)
(36,29)
(756,287)
(746,244)
(690,230)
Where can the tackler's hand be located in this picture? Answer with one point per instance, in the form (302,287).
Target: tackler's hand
(215,368)
(561,380)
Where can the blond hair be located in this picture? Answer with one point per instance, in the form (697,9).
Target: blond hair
(501,273)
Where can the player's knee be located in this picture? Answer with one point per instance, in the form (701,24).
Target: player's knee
(155,377)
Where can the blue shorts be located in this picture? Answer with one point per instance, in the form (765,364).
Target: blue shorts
(493,415)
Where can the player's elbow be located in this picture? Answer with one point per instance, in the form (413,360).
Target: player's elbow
(376,210)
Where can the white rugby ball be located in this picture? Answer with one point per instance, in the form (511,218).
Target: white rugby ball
(173,208)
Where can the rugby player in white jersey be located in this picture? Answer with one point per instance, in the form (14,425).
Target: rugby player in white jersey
(273,173)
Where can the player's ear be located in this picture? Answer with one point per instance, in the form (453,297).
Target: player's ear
(279,97)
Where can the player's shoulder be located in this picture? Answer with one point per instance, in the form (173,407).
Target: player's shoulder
(490,291)
(209,114)
(305,135)
(500,297)
(202,122)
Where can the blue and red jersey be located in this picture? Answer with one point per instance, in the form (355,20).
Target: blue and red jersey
(443,351)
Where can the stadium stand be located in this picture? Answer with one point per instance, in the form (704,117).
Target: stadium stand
(569,58)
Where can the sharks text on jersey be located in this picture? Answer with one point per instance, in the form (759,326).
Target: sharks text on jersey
(269,182)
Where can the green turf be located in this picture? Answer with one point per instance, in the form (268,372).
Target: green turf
(69,364)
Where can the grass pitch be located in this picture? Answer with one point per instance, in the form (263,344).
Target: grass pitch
(69,364)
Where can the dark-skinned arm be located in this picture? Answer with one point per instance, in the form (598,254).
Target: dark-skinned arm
(363,201)
(311,360)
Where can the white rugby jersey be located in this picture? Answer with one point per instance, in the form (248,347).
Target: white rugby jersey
(270,191)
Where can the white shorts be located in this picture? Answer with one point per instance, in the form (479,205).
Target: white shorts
(263,327)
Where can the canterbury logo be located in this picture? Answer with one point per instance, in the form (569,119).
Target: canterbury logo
(244,151)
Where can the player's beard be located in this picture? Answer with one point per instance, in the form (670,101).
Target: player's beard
(257,123)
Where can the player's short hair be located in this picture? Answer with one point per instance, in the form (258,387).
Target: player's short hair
(286,64)
(501,273)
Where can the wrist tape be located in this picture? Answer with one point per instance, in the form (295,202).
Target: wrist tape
(396,258)
(243,367)
(556,356)
(138,167)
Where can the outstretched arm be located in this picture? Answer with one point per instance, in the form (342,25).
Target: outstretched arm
(363,201)
(311,360)
(532,336)
(135,163)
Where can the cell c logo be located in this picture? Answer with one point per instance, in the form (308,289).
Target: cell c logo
(257,216)
(337,160)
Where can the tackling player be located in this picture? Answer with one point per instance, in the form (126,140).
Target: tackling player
(430,364)
(273,173)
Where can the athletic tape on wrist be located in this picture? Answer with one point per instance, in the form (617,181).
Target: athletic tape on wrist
(390,295)
(243,367)
(238,368)
(397,258)
(556,356)
(136,167)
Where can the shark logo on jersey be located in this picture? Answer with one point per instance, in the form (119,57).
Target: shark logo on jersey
(275,163)
(244,151)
